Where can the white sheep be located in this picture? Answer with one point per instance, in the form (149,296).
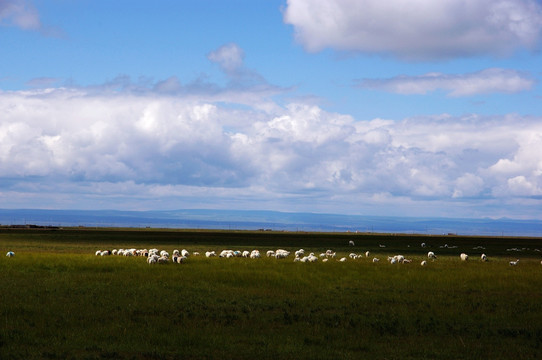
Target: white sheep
(181,259)
(185,253)
(367,253)
(163,260)
(98,252)
(352,256)
(246,253)
(255,254)
(210,253)
(514,263)
(375,260)
(483,257)
(431,255)
(343,259)
(299,253)
(351,243)
(312,258)
(10,254)
(176,252)
(225,253)
(270,253)
(464,257)
(423,263)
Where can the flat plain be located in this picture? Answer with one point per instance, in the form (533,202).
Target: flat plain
(61,301)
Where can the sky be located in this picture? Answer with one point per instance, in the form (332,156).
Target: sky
(369,107)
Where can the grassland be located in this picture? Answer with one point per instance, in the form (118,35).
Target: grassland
(59,301)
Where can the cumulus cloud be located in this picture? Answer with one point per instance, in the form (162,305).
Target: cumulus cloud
(173,150)
(19,13)
(229,57)
(493,80)
(417,30)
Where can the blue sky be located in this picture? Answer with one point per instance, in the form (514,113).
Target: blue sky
(412,108)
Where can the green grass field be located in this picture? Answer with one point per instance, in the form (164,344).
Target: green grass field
(60,301)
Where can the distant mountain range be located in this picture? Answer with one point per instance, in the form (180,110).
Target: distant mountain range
(269,220)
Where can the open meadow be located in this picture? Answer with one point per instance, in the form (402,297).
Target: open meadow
(61,301)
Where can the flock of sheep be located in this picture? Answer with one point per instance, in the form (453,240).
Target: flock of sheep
(155,256)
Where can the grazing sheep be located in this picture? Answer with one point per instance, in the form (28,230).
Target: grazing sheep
(352,256)
(181,259)
(246,253)
(483,257)
(351,243)
(153,259)
(367,253)
(375,260)
(514,263)
(312,258)
(342,259)
(464,257)
(255,254)
(270,253)
(185,253)
(281,254)
(325,260)
(423,245)
(195,253)
(10,254)
(423,263)
(163,260)
(98,252)
(210,253)
(431,255)
(176,252)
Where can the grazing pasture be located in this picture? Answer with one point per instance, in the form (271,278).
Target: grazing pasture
(61,301)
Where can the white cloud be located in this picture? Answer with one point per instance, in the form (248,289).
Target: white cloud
(482,82)
(419,29)
(468,185)
(229,57)
(162,149)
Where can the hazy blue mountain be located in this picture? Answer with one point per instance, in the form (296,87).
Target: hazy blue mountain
(269,220)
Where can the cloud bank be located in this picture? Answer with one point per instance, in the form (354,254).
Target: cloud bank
(87,147)
(482,82)
(418,29)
